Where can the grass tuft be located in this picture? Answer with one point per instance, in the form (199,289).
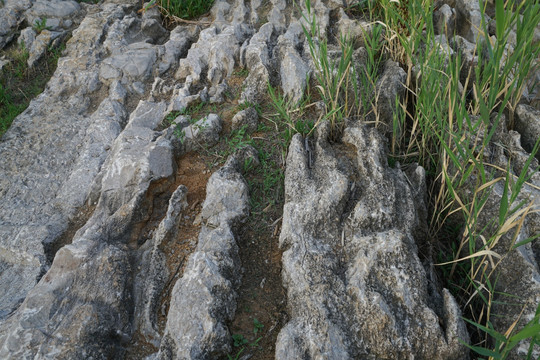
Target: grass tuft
(180,10)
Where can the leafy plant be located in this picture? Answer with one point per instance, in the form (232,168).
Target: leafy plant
(257,326)
(239,340)
(504,343)
(40,25)
(238,139)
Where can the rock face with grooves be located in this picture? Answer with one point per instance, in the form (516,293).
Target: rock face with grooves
(82,262)
(60,143)
(153,272)
(204,299)
(355,285)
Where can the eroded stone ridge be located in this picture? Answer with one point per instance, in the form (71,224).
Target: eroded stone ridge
(355,285)
(81,166)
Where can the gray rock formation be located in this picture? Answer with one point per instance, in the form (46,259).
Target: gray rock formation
(204,299)
(58,14)
(11,16)
(248,118)
(389,88)
(152,272)
(528,125)
(83,166)
(355,285)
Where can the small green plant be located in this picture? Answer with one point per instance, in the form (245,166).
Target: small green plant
(170,117)
(238,139)
(199,108)
(291,115)
(56,52)
(248,104)
(180,134)
(257,326)
(244,72)
(40,25)
(239,341)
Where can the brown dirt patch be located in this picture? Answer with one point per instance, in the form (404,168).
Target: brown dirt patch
(261,297)
(193,173)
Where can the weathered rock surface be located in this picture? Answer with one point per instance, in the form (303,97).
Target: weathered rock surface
(247,118)
(390,86)
(11,16)
(356,287)
(153,272)
(81,168)
(528,125)
(58,14)
(203,300)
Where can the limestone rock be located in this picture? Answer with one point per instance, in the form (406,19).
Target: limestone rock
(9,19)
(528,125)
(215,54)
(294,71)
(41,44)
(390,86)
(355,285)
(84,169)
(153,270)
(26,38)
(444,20)
(80,307)
(203,131)
(204,299)
(58,14)
(248,118)
(469,19)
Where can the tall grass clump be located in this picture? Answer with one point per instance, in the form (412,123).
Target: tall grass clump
(336,79)
(448,127)
(178,10)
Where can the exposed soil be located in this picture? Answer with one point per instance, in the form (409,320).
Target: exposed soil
(192,173)
(261,297)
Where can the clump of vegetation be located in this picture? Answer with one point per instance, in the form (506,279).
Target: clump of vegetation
(241,342)
(19,84)
(447,126)
(40,25)
(181,9)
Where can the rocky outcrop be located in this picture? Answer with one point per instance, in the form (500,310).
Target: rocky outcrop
(204,299)
(83,166)
(528,126)
(355,285)
(11,16)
